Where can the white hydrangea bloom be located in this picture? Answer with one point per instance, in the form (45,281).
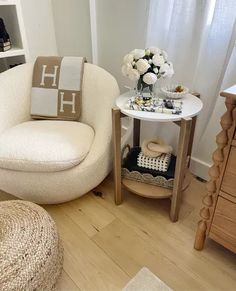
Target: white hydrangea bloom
(170,64)
(150,78)
(125,69)
(138,53)
(150,61)
(171,73)
(128,59)
(158,60)
(155,50)
(171,70)
(166,70)
(142,66)
(165,55)
(163,69)
(133,74)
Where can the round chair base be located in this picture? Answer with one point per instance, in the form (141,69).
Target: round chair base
(31,254)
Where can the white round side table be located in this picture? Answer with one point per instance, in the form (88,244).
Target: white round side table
(191,107)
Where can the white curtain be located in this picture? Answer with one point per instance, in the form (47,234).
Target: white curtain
(199,36)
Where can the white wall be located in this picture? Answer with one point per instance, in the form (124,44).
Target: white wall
(39,26)
(72,27)
(121,27)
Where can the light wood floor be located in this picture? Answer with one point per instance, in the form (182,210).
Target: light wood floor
(106,245)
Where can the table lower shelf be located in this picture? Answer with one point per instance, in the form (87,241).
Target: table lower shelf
(151,191)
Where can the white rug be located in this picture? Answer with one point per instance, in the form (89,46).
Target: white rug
(145,280)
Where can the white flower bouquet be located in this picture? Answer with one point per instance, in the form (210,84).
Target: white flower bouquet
(146,66)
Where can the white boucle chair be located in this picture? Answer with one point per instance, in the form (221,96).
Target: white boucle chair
(52,161)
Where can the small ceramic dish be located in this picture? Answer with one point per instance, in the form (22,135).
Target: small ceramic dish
(170,91)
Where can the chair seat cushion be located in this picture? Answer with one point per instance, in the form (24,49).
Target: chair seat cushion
(45,145)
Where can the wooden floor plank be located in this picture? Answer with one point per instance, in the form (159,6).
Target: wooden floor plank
(132,253)
(150,221)
(66,284)
(88,266)
(88,214)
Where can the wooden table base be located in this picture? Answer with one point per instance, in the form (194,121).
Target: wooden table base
(185,142)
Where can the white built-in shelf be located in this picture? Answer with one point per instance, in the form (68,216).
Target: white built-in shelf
(13,52)
(8,2)
(10,11)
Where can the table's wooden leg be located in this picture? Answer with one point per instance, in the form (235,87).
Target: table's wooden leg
(116,138)
(180,168)
(190,144)
(194,120)
(136,132)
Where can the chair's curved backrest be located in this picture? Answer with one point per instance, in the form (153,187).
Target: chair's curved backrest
(15,90)
(99,91)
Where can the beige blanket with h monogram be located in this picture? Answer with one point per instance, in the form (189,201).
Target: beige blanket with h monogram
(56,88)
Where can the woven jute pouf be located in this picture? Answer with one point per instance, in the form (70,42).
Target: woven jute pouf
(31,253)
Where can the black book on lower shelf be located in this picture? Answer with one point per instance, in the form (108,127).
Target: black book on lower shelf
(4,43)
(130,169)
(4,36)
(5,48)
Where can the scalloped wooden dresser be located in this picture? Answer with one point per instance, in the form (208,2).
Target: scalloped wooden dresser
(218,215)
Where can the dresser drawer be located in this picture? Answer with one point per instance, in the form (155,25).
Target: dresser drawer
(229,179)
(223,227)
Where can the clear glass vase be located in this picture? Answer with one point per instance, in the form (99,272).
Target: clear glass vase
(144,90)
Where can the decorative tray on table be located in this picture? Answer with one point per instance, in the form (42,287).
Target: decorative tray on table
(155,104)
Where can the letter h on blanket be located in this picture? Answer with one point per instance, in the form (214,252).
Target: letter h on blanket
(47,75)
(56,88)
